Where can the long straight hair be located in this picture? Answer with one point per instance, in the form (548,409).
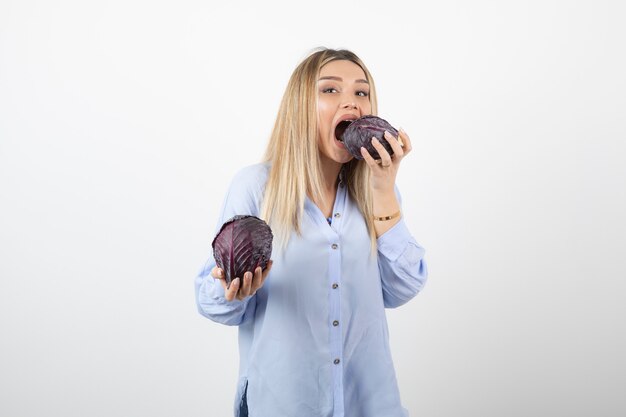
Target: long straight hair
(293,151)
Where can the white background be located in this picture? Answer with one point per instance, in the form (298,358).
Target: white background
(122,122)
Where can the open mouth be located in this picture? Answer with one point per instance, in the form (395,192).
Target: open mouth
(341,128)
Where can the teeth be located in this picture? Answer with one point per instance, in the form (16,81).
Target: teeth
(341,128)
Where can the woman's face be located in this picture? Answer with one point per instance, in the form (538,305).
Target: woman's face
(343,94)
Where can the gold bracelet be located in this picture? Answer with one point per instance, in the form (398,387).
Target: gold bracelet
(385,218)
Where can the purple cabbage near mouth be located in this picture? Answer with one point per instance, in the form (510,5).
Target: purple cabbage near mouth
(242,244)
(360,132)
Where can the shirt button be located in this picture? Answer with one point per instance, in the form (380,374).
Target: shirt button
(335,323)
(334,246)
(337,215)
(335,285)
(336,361)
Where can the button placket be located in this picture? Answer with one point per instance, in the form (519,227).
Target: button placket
(335,254)
(333,315)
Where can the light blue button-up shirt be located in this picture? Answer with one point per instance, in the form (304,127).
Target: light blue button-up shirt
(313,341)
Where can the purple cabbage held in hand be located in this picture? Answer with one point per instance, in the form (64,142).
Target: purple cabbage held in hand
(242,244)
(360,132)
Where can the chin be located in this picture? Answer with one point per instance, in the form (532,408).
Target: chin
(342,157)
(339,152)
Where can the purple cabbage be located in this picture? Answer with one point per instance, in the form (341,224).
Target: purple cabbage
(242,244)
(360,132)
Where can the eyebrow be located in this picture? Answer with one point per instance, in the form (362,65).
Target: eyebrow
(331,77)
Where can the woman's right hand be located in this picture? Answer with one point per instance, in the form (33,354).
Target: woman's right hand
(251,282)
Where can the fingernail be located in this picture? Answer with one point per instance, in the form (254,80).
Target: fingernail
(387,134)
(219,272)
(374,139)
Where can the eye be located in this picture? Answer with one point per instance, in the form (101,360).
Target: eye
(362,93)
(329,90)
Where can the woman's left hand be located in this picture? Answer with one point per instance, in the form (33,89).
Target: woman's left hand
(384,170)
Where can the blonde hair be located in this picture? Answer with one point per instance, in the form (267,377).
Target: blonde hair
(294,156)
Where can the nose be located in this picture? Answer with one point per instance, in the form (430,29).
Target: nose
(349,105)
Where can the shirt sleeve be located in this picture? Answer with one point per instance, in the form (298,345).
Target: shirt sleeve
(243,197)
(401,263)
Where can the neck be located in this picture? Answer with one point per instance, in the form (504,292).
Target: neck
(330,173)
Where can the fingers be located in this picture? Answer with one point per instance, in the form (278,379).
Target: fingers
(257,280)
(398,152)
(246,288)
(408,146)
(400,145)
(265,273)
(217,272)
(385,158)
(251,283)
(368,158)
(242,288)
(231,292)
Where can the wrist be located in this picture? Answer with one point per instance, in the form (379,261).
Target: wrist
(387,194)
(385,205)
(387,217)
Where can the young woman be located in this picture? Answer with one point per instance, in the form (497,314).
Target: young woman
(313,336)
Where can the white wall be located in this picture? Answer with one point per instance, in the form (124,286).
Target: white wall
(121,123)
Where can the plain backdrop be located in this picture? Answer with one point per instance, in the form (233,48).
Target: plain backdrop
(122,123)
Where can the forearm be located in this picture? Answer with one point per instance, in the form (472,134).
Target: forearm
(385,203)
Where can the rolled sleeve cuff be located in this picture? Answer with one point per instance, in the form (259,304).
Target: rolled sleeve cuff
(213,305)
(393,242)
